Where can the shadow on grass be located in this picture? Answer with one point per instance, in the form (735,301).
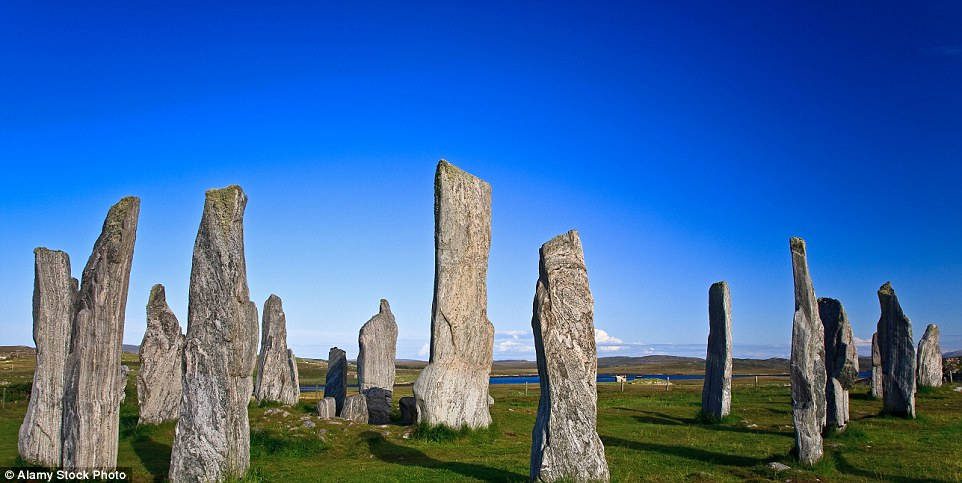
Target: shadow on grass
(389,452)
(652,417)
(843,466)
(153,455)
(696,454)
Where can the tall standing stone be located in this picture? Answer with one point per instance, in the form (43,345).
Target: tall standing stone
(841,361)
(930,358)
(276,365)
(716,393)
(54,294)
(453,389)
(94,382)
(565,443)
(876,391)
(161,362)
(212,441)
(335,382)
(807,362)
(898,355)
(375,363)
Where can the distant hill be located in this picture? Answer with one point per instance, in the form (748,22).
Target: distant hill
(131,348)
(957,353)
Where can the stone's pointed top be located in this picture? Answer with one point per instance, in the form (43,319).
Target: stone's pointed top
(719,284)
(227,190)
(385,306)
(273,299)
(797,244)
(570,237)
(448,169)
(931,329)
(886,289)
(829,301)
(39,250)
(157,295)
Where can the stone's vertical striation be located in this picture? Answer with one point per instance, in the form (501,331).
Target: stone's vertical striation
(92,383)
(327,408)
(161,362)
(453,389)
(409,410)
(355,409)
(276,365)
(897,349)
(335,383)
(212,441)
(930,358)
(565,443)
(375,363)
(716,393)
(807,362)
(876,390)
(54,294)
(841,361)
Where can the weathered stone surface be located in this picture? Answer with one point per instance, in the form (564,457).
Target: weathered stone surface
(327,408)
(212,441)
(897,349)
(335,383)
(876,390)
(716,393)
(807,361)
(409,410)
(355,408)
(375,363)
(490,400)
(276,366)
(124,373)
(378,405)
(929,360)
(54,295)
(92,384)
(453,389)
(565,443)
(161,362)
(841,361)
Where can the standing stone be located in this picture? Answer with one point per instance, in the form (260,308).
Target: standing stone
(930,358)
(453,389)
(375,363)
(897,349)
(876,368)
(409,410)
(327,408)
(93,385)
(841,361)
(716,394)
(355,409)
(276,365)
(335,383)
(54,293)
(212,441)
(565,443)
(161,362)
(808,361)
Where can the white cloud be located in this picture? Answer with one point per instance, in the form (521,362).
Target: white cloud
(606,342)
(425,350)
(862,342)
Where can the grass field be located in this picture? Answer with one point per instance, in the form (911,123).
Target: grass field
(649,434)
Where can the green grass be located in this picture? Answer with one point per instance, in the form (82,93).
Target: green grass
(649,434)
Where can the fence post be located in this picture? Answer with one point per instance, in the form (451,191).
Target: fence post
(622,385)
(525,388)
(667,383)
(756,382)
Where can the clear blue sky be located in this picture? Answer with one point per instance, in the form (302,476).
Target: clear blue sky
(686,143)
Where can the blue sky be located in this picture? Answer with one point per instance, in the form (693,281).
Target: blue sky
(686,143)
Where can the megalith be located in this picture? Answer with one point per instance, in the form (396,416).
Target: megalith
(161,362)
(565,443)
(212,441)
(375,363)
(335,383)
(355,409)
(409,410)
(897,349)
(716,393)
(876,391)
(841,362)
(327,408)
(93,386)
(453,389)
(276,366)
(930,358)
(54,294)
(807,361)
